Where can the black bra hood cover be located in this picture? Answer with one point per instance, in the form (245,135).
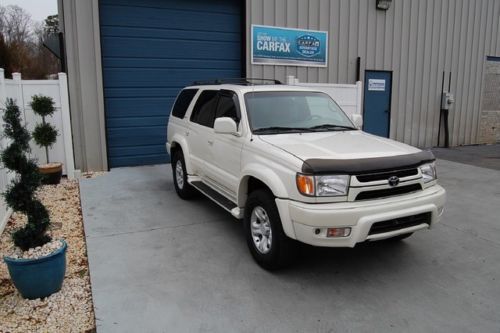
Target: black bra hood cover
(366,165)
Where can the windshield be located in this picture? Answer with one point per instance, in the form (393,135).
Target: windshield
(298,111)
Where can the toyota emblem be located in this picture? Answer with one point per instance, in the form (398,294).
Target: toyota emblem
(393,181)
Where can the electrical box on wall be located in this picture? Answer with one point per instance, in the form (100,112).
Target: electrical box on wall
(447,100)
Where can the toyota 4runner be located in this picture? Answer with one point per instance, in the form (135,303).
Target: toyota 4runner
(290,163)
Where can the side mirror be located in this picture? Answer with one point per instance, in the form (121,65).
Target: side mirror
(357,119)
(225,125)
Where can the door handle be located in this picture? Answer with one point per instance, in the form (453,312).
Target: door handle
(210,142)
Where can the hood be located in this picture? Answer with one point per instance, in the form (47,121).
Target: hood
(337,145)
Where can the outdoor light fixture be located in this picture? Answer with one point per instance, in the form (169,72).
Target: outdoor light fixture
(383,4)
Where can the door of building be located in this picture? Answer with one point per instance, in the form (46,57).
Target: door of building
(377,106)
(151,49)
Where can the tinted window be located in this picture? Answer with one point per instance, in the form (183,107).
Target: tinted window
(204,109)
(182,102)
(228,106)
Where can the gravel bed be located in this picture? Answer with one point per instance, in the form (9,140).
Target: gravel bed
(93,174)
(71,309)
(37,252)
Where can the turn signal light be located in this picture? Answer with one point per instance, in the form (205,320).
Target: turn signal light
(305,184)
(338,232)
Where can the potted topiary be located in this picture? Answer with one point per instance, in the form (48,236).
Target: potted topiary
(38,265)
(45,135)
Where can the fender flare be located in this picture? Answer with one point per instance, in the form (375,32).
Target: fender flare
(181,141)
(265,175)
(273,181)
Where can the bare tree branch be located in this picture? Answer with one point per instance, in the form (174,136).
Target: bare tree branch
(21,43)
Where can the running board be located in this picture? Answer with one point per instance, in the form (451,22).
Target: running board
(217,198)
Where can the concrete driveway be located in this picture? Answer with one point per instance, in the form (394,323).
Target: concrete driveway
(160,264)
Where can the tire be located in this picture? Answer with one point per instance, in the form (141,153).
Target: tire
(399,237)
(262,223)
(182,187)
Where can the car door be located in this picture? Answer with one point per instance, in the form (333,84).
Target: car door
(200,134)
(224,166)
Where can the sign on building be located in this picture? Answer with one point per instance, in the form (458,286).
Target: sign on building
(376,85)
(291,47)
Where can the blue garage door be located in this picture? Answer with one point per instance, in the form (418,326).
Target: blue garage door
(150,50)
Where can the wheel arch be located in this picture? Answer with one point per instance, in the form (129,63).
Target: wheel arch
(260,178)
(179,143)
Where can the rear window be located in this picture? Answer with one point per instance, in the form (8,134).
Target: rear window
(182,102)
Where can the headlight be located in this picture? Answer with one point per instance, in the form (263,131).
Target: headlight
(327,186)
(428,172)
(323,186)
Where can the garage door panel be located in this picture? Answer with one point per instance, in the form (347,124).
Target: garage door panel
(174,34)
(136,160)
(169,63)
(150,50)
(196,21)
(210,6)
(137,121)
(132,77)
(142,91)
(136,136)
(165,48)
(138,150)
(136,107)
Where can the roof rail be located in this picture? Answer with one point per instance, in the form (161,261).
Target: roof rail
(246,81)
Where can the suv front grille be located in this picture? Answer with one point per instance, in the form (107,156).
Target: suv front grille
(388,192)
(385,175)
(400,223)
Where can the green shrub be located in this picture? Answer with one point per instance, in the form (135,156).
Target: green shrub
(42,105)
(20,193)
(44,134)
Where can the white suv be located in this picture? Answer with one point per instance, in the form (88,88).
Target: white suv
(290,163)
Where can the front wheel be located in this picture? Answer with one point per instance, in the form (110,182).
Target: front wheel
(268,244)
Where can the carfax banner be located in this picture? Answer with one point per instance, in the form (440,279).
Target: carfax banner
(286,46)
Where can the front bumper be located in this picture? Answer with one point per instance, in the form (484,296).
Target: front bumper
(301,220)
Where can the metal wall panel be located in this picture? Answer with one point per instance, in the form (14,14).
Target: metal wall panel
(417,40)
(80,23)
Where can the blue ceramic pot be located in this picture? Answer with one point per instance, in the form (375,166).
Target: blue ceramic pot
(38,278)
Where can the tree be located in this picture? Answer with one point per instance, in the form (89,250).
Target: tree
(51,25)
(20,193)
(5,57)
(44,134)
(23,50)
(16,24)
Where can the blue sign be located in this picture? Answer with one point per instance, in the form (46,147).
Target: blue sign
(290,47)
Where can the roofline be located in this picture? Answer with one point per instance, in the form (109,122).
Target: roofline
(264,87)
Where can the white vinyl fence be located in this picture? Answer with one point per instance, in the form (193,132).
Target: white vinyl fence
(22,91)
(348,96)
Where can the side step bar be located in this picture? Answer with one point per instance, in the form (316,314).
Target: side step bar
(218,198)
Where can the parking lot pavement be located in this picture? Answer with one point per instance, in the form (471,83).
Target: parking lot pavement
(486,156)
(160,264)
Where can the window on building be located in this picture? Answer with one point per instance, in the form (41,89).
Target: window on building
(182,102)
(204,109)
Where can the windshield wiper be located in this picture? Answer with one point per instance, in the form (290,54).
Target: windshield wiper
(333,127)
(283,129)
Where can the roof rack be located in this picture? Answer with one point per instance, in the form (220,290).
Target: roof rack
(245,81)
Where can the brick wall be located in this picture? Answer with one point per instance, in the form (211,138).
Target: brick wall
(489,123)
